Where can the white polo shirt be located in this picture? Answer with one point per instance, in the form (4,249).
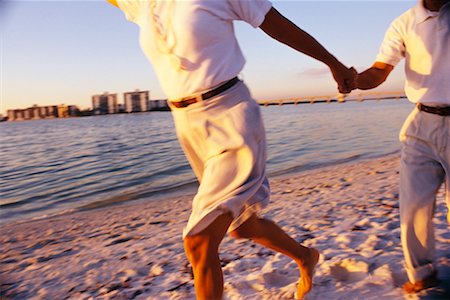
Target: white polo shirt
(191,44)
(422,37)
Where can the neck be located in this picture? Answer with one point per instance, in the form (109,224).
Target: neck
(434,5)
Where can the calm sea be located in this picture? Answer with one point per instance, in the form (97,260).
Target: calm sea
(56,166)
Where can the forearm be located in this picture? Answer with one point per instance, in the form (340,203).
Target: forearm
(286,32)
(373,76)
(369,79)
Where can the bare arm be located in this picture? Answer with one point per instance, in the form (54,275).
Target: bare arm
(286,32)
(373,76)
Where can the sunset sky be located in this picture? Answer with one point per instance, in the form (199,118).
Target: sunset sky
(55,52)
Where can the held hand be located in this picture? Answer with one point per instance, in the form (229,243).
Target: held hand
(353,84)
(349,81)
(345,78)
(358,81)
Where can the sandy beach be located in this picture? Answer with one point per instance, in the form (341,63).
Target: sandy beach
(135,250)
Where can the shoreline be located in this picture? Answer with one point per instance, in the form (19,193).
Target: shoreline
(188,188)
(135,251)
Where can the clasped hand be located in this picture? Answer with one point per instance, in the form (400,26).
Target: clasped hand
(346,78)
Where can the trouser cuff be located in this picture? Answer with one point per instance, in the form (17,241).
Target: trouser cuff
(420,273)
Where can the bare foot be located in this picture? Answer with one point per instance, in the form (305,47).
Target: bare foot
(307,268)
(429,281)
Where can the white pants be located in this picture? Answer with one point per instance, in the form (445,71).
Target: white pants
(425,165)
(224,141)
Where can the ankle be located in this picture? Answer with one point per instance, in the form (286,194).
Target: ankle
(306,256)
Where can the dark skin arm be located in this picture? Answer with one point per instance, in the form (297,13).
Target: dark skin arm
(373,76)
(286,32)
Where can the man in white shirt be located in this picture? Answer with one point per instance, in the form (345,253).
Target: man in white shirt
(421,36)
(195,54)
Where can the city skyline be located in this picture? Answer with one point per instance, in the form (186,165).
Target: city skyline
(67,51)
(102,104)
(105,103)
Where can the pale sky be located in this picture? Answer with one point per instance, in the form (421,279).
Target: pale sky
(63,52)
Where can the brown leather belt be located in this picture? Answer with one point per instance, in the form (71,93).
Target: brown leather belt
(185,102)
(442,111)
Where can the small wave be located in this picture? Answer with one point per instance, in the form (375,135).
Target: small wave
(39,217)
(311,166)
(139,195)
(11,204)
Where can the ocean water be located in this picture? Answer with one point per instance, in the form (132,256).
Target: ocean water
(57,166)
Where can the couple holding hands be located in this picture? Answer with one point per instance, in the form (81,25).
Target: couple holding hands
(195,54)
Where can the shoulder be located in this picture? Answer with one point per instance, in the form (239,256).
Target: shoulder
(401,24)
(250,11)
(408,17)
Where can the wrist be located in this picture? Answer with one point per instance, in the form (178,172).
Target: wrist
(332,62)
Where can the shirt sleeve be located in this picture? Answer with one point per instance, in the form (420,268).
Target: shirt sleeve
(392,48)
(250,11)
(132,9)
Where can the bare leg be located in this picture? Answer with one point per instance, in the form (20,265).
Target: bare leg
(202,251)
(270,235)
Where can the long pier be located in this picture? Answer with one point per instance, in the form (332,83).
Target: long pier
(340,98)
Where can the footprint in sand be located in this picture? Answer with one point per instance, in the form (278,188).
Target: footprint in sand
(135,225)
(349,270)
(114,241)
(277,278)
(156,270)
(162,222)
(66,252)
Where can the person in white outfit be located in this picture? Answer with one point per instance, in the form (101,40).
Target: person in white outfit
(194,51)
(421,36)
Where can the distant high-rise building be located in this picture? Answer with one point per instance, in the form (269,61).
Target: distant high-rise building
(15,114)
(136,101)
(158,104)
(35,112)
(63,111)
(105,104)
(73,110)
(52,111)
(42,112)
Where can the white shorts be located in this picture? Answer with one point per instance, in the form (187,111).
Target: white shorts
(224,140)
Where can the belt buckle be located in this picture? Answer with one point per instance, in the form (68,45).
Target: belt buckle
(201,96)
(192,100)
(186,101)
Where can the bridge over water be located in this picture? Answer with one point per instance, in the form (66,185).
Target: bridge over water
(341,98)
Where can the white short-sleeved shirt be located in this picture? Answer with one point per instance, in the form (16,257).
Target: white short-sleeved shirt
(422,37)
(192,44)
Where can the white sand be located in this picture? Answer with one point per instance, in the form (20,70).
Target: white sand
(135,251)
